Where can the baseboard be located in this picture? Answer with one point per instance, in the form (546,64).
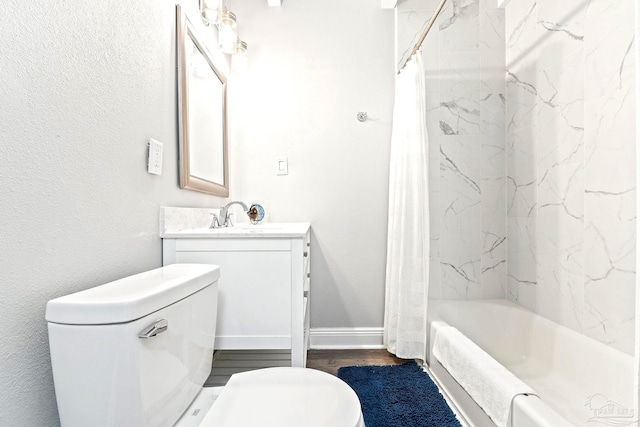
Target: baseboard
(345,338)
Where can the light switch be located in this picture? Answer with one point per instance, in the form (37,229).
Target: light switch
(154,163)
(282,166)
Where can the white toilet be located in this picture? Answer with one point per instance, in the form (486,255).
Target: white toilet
(137,351)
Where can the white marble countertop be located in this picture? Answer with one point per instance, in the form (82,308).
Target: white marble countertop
(266,230)
(193,223)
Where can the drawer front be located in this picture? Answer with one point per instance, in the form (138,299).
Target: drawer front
(307,284)
(232,245)
(307,240)
(306,269)
(306,256)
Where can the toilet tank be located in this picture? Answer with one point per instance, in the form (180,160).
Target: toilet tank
(106,375)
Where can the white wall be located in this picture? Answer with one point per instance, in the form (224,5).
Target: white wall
(637,135)
(312,66)
(84,86)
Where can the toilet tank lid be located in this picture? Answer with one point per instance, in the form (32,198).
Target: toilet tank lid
(132,297)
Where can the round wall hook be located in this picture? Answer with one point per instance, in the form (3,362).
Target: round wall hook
(362,116)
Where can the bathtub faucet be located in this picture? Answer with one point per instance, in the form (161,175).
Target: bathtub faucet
(225,214)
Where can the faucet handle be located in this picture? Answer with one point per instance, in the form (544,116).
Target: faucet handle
(215,223)
(228,222)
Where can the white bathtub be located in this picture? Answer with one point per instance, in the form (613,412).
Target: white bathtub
(580,381)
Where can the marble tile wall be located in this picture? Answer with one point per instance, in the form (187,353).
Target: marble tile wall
(532,167)
(570,130)
(464,60)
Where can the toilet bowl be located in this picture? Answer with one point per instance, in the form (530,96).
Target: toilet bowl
(137,351)
(276,397)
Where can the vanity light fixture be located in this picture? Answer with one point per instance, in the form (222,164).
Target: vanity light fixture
(241,48)
(240,57)
(213,12)
(210,11)
(227,32)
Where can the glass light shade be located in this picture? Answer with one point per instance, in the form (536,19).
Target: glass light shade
(227,32)
(211,11)
(240,57)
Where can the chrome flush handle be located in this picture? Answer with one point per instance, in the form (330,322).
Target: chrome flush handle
(153,330)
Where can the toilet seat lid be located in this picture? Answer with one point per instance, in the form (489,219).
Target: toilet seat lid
(285,397)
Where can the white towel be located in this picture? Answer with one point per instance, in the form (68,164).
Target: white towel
(490,384)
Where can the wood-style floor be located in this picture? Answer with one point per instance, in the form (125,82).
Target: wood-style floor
(229,362)
(330,360)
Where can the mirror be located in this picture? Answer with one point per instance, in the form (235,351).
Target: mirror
(202,115)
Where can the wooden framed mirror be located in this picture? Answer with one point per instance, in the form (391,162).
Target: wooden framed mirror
(202,114)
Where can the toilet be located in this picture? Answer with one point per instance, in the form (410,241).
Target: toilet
(137,352)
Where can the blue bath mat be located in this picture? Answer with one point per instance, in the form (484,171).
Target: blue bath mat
(398,396)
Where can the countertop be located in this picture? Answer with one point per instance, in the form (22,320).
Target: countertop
(266,230)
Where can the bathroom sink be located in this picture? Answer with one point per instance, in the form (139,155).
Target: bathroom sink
(242,230)
(265,226)
(245,228)
(248,227)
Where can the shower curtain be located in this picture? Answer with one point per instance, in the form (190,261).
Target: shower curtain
(407,279)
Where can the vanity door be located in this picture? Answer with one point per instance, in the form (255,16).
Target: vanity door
(254,289)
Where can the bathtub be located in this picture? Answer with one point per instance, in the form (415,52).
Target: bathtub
(579,381)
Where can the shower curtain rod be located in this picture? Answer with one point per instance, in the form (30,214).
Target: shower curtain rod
(424,33)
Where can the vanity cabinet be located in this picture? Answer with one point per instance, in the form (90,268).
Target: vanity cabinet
(264,286)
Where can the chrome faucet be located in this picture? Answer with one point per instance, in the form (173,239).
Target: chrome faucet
(224,213)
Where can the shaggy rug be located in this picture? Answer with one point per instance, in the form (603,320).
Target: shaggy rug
(398,396)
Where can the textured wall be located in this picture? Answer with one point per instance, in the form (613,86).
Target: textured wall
(84,85)
(312,67)
(571,164)
(464,67)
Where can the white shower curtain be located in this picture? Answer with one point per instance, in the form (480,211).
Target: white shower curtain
(407,282)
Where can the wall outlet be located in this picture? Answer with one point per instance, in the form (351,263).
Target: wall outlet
(154,163)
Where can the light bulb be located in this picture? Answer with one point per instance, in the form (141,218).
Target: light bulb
(227,32)
(211,11)
(240,57)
